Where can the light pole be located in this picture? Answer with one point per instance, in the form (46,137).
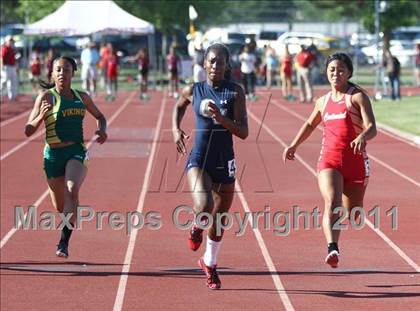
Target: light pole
(380,7)
(376,91)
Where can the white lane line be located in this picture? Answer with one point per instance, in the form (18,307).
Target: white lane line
(394,246)
(44,195)
(21,145)
(119,299)
(398,250)
(264,250)
(387,166)
(395,171)
(12,231)
(409,139)
(11,120)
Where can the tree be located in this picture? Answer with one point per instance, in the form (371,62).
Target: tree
(8,13)
(32,11)
(397,13)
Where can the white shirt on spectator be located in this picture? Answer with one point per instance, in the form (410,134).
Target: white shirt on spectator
(247,62)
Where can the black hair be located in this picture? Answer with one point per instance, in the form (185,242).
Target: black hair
(219,47)
(50,84)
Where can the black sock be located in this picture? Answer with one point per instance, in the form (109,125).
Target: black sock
(66,234)
(332,247)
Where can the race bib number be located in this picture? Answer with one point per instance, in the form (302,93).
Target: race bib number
(232,168)
(367,168)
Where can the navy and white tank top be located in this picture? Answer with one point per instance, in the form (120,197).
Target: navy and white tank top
(212,140)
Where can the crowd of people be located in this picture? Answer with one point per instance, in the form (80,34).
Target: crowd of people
(263,68)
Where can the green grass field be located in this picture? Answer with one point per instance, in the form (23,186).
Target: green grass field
(366,76)
(403,115)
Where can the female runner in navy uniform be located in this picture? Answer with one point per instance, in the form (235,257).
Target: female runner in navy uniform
(220,111)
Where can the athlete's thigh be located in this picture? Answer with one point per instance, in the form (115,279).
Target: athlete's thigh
(75,173)
(56,189)
(200,185)
(330,182)
(223,197)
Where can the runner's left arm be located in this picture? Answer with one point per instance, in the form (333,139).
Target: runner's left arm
(369,124)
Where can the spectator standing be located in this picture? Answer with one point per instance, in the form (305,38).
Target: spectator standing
(142,59)
(286,70)
(392,68)
(104,53)
(9,68)
(304,60)
(112,74)
(49,63)
(89,59)
(271,63)
(172,62)
(35,68)
(248,61)
(417,68)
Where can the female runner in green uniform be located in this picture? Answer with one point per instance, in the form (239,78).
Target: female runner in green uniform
(62,109)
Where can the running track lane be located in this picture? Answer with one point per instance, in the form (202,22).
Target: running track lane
(369,268)
(28,261)
(10,110)
(298,292)
(13,190)
(396,186)
(164,272)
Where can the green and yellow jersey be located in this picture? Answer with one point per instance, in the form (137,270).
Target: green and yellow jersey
(64,122)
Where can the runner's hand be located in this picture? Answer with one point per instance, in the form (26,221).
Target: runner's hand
(289,153)
(45,106)
(179,139)
(358,145)
(214,112)
(102,136)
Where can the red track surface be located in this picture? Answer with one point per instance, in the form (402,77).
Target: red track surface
(259,270)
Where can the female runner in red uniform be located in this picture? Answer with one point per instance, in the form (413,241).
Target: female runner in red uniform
(343,166)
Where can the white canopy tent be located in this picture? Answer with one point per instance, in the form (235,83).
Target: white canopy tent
(81,18)
(88,17)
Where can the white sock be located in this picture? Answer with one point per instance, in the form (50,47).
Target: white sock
(212,251)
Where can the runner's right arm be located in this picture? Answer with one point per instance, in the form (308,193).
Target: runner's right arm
(37,115)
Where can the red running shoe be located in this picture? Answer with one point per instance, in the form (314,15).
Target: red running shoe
(213,281)
(196,238)
(332,259)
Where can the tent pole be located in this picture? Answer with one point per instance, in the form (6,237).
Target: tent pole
(151,46)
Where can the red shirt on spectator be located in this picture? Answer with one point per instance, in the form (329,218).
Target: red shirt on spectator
(286,65)
(8,55)
(305,58)
(112,66)
(143,63)
(104,53)
(172,61)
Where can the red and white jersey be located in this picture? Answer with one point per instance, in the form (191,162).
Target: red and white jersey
(342,122)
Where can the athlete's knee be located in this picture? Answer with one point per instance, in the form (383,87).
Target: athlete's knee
(331,201)
(72,190)
(203,203)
